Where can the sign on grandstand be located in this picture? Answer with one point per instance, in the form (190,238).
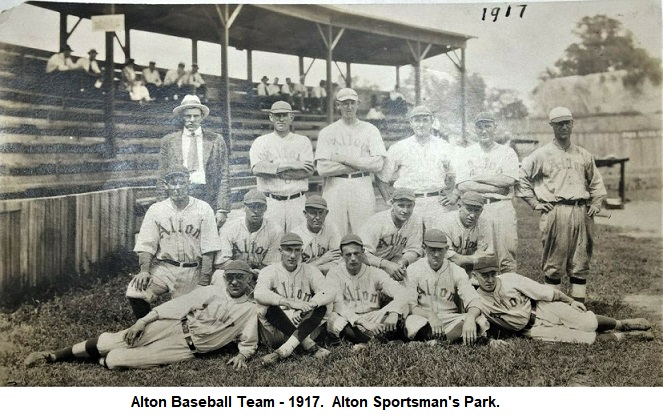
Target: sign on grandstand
(108,23)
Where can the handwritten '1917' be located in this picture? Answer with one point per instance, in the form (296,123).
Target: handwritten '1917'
(495,11)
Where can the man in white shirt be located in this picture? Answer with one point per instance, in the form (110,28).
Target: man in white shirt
(92,77)
(61,61)
(172,82)
(194,82)
(152,79)
(59,76)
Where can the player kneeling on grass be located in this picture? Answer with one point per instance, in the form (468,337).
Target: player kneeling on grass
(201,321)
(519,304)
(357,314)
(175,245)
(435,284)
(295,298)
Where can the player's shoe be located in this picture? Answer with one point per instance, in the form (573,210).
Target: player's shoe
(39,357)
(639,335)
(271,358)
(321,353)
(359,347)
(637,324)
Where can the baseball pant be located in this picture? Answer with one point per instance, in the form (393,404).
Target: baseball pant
(351,201)
(287,215)
(167,278)
(336,322)
(162,343)
(414,323)
(276,324)
(559,322)
(429,208)
(567,236)
(503,216)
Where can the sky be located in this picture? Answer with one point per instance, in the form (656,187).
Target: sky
(508,53)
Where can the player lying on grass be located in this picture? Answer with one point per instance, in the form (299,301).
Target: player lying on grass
(435,284)
(201,321)
(519,304)
(175,245)
(294,299)
(357,314)
(392,238)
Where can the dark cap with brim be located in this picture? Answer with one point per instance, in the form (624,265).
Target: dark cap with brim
(177,170)
(291,239)
(255,197)
(351,239)
(315,201)
(403,194)
(473,198)
(237,266)
(435,238)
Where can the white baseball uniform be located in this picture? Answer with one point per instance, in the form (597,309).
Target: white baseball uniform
(500,159)
(214,320)
(258,249)
(383,240)
(174,236)
(359,296)
(349,192)
(315,245)
(477,241)
(285,213)
(305,283)
(510,306)
(426,169)
(437,291)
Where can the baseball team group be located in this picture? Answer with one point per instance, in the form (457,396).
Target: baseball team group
(301,273)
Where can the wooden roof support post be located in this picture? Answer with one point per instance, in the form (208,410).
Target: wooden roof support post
(418,56)
(463,95)
(127,43)
(226,19)
(301,69)
(330,42)
(194,51)
(63,30)
(398,76)
(249,65)
(348,75)
(109,97)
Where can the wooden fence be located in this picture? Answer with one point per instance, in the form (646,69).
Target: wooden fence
(42,239)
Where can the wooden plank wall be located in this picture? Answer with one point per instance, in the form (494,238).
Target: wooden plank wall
(44,238)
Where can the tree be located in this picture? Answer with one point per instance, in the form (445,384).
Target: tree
(505,103)
(605,46)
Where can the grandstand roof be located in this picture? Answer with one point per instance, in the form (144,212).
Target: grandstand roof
(285,29)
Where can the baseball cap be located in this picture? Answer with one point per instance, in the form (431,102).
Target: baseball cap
(255,197)
(351,239)
(472,198)
(176,170)
(487,267)
(421,110)
(291,239)
(237,266)
(403,193)
(92,51)
(435,238)
(484,116)
(315,201)
(347,94)
(560,114)
(280,107)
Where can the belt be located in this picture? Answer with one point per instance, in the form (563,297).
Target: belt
(284,197)
(532,318)
(178,264)
(575,202)
(427,194)
(352,175)
(187,338)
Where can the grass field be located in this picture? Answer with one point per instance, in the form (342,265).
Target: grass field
(621,266)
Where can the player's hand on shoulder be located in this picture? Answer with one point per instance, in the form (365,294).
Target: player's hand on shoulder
(447,200)
(330,255)
(394,270)
(544,207)
(141,281)
(238,362)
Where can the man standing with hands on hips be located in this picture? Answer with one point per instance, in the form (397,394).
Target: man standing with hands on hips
(348,150)
(561,181)
(203,152)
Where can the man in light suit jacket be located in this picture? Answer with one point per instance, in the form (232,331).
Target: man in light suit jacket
(203,152)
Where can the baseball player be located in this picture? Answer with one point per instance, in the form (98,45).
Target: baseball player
(282,162)
(491,169)
(561,181)
(252,238)
(421,162)
(294,300)
(434,284)
(320,239)
(347,151)
(519,304)
(175,245)
(471,238)
(357,315)
(392,238)
(201,321)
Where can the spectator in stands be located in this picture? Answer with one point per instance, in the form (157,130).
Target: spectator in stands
(203,152)
(319,97)
(129,77)
(397,105)
(58,68)
(375,114)
(139,92)
(92,76)
(274,91)
(262,93)
(194,83)
(300,94)
(152,79)
(172,82)
(286,91)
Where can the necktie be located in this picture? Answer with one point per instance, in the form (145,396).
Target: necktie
(192,157)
